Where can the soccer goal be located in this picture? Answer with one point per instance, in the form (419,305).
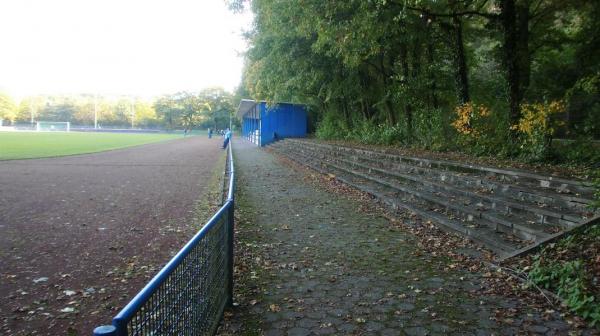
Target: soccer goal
(61,126)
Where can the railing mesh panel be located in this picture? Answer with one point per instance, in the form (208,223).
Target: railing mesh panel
(191,299)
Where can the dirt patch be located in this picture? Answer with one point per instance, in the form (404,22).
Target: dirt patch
(79,236)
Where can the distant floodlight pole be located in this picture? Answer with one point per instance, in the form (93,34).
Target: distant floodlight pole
(96,111)
(31,111)
(132,112)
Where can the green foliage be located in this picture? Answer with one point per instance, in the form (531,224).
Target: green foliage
(331,127)
(482,131)
(377,134)
(568,279)
(393,71)
(429,132)
(367,132)
(582,151)
(8,109)
(596,182)
(537,126)
(567,267)
(210,107)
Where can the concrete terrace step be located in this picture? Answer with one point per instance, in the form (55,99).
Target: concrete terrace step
(483,235)
(581,189)
(450,204)
(522,190)
(533,212)
(488,205)
(520,193)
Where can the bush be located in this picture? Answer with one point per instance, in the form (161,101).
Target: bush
(580,151)
(429,129)
(370,133)
(480,132)
(331,127)
(568,279)
(536,127)
(393,134)
(567,267)
(596,201)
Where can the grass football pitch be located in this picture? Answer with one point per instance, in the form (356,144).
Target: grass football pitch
(28,145)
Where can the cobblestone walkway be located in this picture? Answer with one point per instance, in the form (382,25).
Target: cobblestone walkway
(321,267)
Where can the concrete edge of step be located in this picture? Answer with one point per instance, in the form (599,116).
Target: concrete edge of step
(552,238)
(509,172)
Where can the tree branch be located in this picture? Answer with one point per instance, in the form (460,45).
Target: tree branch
(456,14)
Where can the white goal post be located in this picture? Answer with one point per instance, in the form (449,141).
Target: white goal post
(61,126)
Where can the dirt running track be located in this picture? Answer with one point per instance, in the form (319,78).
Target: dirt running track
(80,235)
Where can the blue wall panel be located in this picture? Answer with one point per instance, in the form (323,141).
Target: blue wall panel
(282,121)
(274,122)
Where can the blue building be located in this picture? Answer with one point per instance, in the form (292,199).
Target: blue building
(263,124)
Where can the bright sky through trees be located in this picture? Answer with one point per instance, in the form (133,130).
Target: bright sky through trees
(139,47)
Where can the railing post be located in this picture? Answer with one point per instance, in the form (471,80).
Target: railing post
(106,330)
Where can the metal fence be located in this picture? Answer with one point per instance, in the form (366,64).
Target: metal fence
(188,296)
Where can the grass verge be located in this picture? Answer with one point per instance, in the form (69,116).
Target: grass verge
(571,269)
(29,145)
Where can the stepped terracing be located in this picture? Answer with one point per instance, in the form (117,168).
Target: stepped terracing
(507,211)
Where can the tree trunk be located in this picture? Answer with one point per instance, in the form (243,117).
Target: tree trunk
(364,105)
(416,59)
(391,112)
(460,61)
(345,110)
(524,58)
(407,107)
(511,64)
(363,111)
(386,88)
(432,84)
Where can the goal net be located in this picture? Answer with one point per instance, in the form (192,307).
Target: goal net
(62,126)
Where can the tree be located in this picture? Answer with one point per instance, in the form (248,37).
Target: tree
(217,108)
(399,69)
(166,109)
(145,115)
(211,107)
(8,109)
(29,109)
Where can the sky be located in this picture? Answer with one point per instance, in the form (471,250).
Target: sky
(134,47)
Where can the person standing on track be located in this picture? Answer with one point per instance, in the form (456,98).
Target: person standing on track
(209,133)
(227,137)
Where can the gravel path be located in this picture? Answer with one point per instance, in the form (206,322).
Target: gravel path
(80,235)
(315,264)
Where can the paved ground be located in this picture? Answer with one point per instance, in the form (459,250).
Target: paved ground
(80,235)
(313,263)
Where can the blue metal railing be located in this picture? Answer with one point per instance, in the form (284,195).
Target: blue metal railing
(188,296)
